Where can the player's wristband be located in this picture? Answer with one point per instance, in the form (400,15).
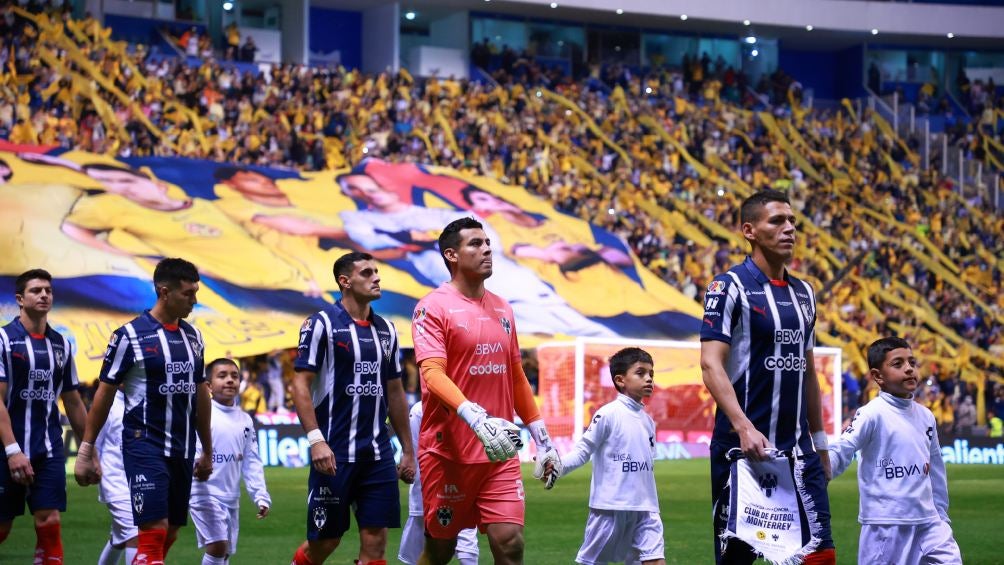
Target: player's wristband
(819,440)
(471,413)
(315,436)
(86,449)
(12,449)
(539,433)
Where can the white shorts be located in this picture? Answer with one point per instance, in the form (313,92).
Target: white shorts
(123,528)
(927,544)
(215,521)
(613,536)
(413,541)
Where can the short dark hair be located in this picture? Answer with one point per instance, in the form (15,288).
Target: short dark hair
(21,283)
(750,209)
(170,272)
(221,361)
(107,167)
(878,350)
(621,361)
(450,236)
(344,264)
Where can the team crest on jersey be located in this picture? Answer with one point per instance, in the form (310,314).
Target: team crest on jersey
(306,325)
(137,502)
(320,517)
(385,345)
(60,358)
(197,348)
(420,313)
(444,515)
(506,325)
(716,287)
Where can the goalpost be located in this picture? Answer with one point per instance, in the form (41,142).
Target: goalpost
(574,381)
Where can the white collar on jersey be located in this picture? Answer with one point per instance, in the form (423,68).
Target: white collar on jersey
(901,403)
(630,402)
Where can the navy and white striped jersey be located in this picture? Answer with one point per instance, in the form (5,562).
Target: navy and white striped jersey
(769,325)
(161,367)
(353,361)
(37,369)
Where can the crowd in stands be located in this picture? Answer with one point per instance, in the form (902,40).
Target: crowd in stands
(661,158)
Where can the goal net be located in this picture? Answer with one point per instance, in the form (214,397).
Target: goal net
(574,381)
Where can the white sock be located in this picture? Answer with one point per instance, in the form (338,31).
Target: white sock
(468,561)
(130,554)
(210,560)
(110,555)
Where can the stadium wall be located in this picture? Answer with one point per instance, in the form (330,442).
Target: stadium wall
(843,15)
(336,37)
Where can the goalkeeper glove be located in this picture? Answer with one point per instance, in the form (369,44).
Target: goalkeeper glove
(498,436)
(548,467)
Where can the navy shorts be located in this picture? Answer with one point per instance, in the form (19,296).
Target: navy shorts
(369,488)
(159,487)
(739,552)
(48,492)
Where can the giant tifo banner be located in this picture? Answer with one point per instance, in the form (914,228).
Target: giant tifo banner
(574,381)
(265,240)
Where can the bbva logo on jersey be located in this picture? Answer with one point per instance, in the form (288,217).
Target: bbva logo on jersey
(179,367)
(366,367)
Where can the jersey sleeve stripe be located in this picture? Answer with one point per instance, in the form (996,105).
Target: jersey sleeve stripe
(117,359)
(327,373)
(7,361)
(315,338)
(74,378)
(394,349)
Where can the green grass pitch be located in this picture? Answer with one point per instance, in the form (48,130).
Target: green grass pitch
(554,520)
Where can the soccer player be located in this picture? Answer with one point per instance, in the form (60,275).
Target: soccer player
(347,382)
(114,488)
(413,535)
(158,359)
(624,522)
(36,369)
(756,357)
(472,382)
(215,503)
(904,490)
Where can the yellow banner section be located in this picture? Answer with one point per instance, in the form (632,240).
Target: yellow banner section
(265,241)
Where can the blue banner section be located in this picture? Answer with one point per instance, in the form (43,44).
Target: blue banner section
(336,37)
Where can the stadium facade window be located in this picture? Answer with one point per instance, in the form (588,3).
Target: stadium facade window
(615,46)
(765,59)
(660,49)
(500,33)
